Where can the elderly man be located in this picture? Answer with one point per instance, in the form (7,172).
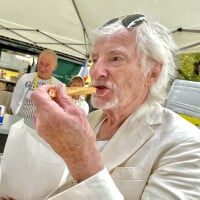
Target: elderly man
(131,148)
(21,103)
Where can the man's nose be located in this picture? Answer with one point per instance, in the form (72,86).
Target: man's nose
(98,69)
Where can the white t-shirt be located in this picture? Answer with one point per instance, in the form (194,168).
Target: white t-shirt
(83,104)
(20,102)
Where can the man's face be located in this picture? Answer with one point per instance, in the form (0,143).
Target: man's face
(116,73)
(76,83)
(46,66)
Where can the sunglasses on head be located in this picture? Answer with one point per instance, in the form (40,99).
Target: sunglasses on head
(128,21)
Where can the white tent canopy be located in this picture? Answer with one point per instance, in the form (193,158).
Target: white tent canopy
(64,25)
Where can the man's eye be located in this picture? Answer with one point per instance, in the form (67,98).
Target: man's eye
(116,58)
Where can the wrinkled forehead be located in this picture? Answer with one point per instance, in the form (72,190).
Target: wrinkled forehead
(123,39)
(77,82)
(47,58)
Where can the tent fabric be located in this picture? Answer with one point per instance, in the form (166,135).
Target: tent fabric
(65,25)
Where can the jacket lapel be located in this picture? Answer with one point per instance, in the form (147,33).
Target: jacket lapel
(130,137)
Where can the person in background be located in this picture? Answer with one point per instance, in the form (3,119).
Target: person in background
(78,81)
(20,102)
(132,148)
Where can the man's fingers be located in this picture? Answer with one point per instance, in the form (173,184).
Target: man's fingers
(40,96)
(62,98)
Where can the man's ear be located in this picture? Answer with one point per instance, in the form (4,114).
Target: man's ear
(154,74)
(156,71)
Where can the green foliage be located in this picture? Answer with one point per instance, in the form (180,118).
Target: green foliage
(186,66)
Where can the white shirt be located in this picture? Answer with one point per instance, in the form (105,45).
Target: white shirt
(20,102)
(83,104)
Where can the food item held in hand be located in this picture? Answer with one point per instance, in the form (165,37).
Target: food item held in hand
(74,91)
(52,93)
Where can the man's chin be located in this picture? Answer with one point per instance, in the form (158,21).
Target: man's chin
(43,77)
(104,105)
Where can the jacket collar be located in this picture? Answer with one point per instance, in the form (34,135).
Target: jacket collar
(134,132)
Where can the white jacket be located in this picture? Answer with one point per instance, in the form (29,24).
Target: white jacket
(153,157)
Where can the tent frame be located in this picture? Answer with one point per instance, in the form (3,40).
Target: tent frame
(19,33)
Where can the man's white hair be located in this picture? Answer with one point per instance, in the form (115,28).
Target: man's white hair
(155,45)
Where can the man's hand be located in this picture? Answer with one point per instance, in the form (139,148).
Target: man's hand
(65,127)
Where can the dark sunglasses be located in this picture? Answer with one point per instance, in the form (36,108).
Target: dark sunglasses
(128,21)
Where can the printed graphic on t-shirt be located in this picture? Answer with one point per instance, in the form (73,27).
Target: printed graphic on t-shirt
(29,84)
